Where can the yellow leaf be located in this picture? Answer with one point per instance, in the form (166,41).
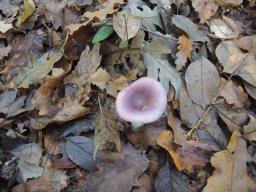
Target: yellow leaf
(185,49)
(29,8)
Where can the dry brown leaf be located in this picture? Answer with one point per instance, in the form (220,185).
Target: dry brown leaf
(202,80)
(237,62)
(251,90)
(229,3)
(234,118)
(190,112)
(233,93)
(205,8)
(103,80)
(126,25)
(184,53)
(190,156)
(224,28)
(230,172)
(250,129)
(247,43)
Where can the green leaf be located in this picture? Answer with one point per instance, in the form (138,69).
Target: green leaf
(103,33)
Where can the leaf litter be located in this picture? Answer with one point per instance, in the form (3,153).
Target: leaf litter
(63,64)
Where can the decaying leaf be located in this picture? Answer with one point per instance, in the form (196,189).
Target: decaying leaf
(126,25)
(189,157)
(230,172)
(29,8)
(202,80)
(41,67)
(4,27)
(184,53)
(250,129)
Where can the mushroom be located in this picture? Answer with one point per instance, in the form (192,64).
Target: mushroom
(144,101)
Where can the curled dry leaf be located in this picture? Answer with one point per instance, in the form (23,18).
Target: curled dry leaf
(224,28)
(230,172)
(190,156)
(184,53)
(126,25)
(233,93)
(202,80)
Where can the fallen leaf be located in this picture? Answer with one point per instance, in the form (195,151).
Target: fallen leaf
(206,9)
(233,93)
(202,80)
(230,172)
(189,28)
(41,183)
(145,184)
(29,8)
(103,33)
(106,133)
(224,28)
(40,69)
(161,68)
(180,135)
(247,43)
(234,118)
(237,62)
(4,51)
(29,160)
(80,150)
(251,90)
(119,176)
(190,156)
(169,179)
(156,48)
(190,112)
(4,27)
(147,135)
(184,53)
(108,8)
(250,129)
(8,9)
(126,25)
(86,66)
(150,18)
(229,3)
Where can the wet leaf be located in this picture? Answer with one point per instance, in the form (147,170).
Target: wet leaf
(230,172)
(29,8)
(103,33)
(80,150)
(202,80)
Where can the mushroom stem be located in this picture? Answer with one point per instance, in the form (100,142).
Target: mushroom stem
(136,126)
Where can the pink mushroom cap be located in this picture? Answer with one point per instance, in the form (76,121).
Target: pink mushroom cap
(144,101)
